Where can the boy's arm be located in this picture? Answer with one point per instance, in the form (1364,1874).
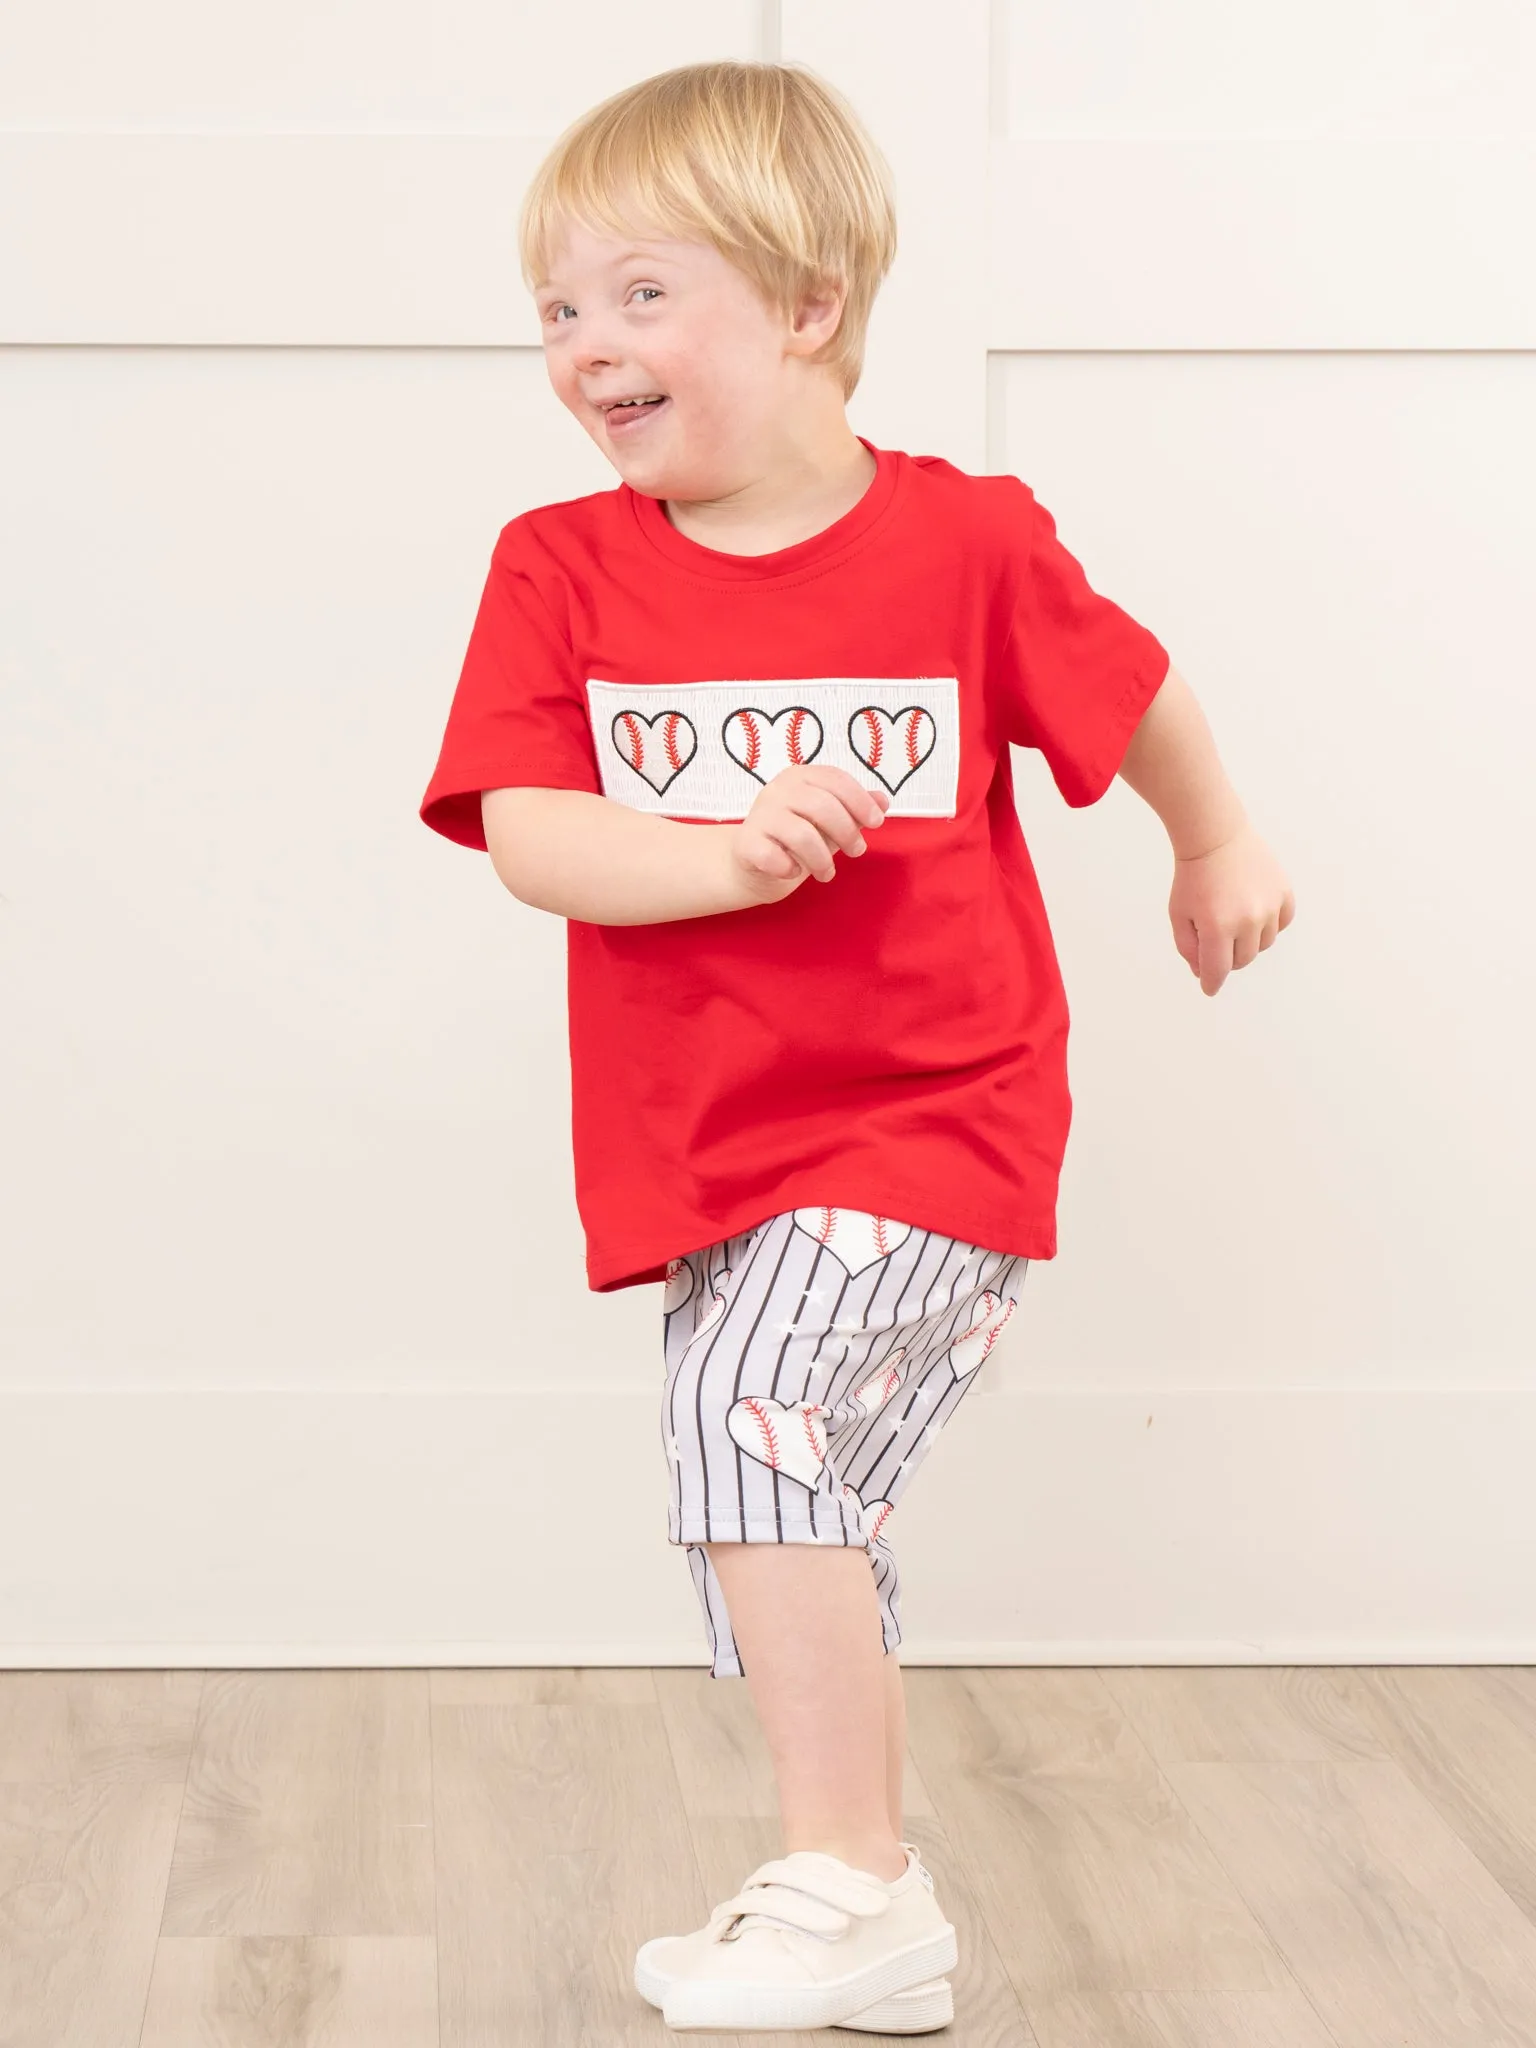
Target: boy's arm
(1172,764)
(584,856)
(1230,897)
(581,855)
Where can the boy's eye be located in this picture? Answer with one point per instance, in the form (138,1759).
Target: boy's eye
(565,307)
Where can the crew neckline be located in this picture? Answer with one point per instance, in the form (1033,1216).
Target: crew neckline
(817,551)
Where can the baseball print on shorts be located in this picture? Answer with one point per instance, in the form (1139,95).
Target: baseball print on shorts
(705,750)
(810,1363)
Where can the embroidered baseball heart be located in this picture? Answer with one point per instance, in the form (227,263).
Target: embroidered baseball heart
(870,1514)
(679,1286)
(968,1351)
(659,756)
(876,1391)
(766,746)
(893,745)
(854,1237)
(791,1439)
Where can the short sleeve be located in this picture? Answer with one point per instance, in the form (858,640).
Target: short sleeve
(1076,672)
(519,714)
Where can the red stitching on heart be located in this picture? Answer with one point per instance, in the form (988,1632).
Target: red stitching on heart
(765,1423)
(876,738)
(912,737)
(669,737)
(810,1433)
(754,739)
(632,733)
(796,753)
(980,1322)
(827,1225)
(879,1387)
(880,1233)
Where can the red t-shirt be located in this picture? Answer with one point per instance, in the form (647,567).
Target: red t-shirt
(893,1040)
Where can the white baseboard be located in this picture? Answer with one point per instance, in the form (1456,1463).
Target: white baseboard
(247,1528)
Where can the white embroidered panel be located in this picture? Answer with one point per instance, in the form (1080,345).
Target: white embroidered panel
(705,750)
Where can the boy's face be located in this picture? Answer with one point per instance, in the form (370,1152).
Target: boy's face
(632,316)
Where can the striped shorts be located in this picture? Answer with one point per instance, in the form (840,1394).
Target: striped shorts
(810,1362)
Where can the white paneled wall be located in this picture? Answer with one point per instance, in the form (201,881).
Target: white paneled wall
(297,1360)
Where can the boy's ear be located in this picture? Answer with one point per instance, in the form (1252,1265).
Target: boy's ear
(816,316)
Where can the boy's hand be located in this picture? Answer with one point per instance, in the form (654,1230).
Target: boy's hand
(1228,906)
(793,828)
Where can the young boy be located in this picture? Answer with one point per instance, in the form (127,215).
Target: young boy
(825,1102)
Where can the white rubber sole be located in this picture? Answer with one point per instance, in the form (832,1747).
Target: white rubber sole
(696,2002)
(920,2009)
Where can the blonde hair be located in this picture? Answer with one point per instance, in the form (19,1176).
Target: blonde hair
(767,162)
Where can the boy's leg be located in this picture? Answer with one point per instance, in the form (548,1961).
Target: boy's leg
(887,1353)
(807,1624)
(895,1744)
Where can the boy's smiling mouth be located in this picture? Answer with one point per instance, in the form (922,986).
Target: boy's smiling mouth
(623,418)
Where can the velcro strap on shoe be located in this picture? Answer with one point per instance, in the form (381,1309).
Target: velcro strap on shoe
(824,1877)
(786,1904)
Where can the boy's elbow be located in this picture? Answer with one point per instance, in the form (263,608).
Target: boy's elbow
(506,815)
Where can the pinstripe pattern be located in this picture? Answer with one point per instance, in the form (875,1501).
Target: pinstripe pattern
(810,1363)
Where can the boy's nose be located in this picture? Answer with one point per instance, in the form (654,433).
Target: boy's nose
(593,352)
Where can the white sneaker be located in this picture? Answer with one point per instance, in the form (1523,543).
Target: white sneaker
(809,1941)
(918,2010)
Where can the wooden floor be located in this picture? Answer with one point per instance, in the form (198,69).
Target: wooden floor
(1134,1858)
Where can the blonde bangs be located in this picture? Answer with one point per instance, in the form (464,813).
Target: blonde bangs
(766,162)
